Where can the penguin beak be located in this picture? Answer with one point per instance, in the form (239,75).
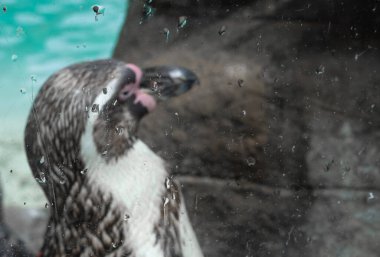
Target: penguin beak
(164,82)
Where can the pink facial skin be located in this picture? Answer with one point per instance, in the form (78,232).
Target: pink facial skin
(141,97)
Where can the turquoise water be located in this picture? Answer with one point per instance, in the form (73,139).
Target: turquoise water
(36,39)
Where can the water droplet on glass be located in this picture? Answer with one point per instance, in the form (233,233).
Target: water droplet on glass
(14,57)
(105,152)
(370,196)
(105,90)
(42,160)
(95,108)
(155,86)
(168,183)
(33,78)
(98,9)
(126,217)
(320,70)
(41,179)
(166,32)
(115,102)
(83,172)
(222,30)
(373,106)
(23,91)
(84,45)
(166,201)
(251,161)
(182,21)
(62,181)
(244,112)
(46,205)
(176,114)
(293,148)
(24,203)
(20,31)
(114,245)
(329,165)
(119,130)
(4,9)
(240,82)
(148,10)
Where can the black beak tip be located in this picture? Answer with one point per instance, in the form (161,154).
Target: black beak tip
(188,78)
(192,78)
(171,80)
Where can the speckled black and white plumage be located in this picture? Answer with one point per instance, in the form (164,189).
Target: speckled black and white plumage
(109,194)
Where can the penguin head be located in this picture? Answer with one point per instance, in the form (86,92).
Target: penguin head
(93,109)
(128,97)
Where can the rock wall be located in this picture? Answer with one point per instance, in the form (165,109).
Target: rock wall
(278,148)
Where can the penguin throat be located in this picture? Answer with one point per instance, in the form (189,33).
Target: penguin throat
(136,183)
(135,179)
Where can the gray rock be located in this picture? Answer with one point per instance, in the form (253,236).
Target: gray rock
(343,223)
(309,94)
(245,219)
(28,224)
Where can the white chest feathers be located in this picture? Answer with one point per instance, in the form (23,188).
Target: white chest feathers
(136,182)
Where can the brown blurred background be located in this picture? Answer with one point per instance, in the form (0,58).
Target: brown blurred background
(278,148)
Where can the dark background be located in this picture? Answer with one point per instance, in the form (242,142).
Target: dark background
(287,163)
(278,148)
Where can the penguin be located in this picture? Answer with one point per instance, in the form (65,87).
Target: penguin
(109,194)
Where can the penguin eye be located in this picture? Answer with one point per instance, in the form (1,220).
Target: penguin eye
(123,94)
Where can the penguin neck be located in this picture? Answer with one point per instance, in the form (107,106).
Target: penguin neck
(136,179)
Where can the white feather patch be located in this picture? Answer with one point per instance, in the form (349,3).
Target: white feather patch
(101,100)
(136,182)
